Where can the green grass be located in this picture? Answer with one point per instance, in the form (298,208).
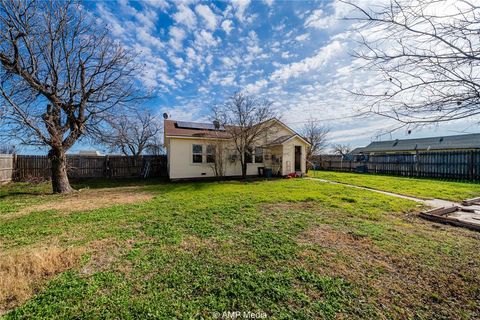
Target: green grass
(294,249)
(423,188)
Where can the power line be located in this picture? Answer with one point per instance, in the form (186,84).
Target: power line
(321,120)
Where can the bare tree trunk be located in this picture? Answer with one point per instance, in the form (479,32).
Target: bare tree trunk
(244,170)
(58,160)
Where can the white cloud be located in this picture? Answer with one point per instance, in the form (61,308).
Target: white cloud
(177,61)
(185,16)
(240,7)
(210,18)
(159,4)
(337,10)
(227,62)
(177,35)
(268,2)
(303,37)
(227,26)
(320,20)
(256,87)
(205,39)
(227,80)
(324,55)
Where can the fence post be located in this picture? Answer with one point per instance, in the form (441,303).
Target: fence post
(470,165)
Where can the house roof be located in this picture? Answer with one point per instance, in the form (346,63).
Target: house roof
(192,129)
(173,128)
(465,141)
(282,139)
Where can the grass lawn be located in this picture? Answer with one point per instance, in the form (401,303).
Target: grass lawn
(293,249)
(422,188)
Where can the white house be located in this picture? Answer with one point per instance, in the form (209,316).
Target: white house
(189,148)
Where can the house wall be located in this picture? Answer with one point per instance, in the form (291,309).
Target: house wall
(181,166)
(288,165)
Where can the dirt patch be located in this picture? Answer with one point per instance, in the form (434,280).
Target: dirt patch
(22,271)
(104,254)
(89,199)
(396,285)
(222,250)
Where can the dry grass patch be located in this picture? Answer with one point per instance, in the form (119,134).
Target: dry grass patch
(89,199)
(22,272)
(395,284)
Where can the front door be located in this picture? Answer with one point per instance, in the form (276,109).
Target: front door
(298,158)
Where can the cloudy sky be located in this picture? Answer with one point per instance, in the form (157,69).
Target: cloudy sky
(296,53)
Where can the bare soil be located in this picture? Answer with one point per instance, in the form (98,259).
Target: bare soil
(88,199)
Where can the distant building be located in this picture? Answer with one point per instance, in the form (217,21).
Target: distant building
(462,142)
(90,153)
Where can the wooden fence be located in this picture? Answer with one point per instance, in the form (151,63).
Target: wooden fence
(38,167)
(6,168)
(464,165)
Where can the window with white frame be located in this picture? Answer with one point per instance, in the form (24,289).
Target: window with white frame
(197,153)
(210,154)
(258,155)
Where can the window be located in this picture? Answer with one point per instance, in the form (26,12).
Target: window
(258,155)
(248,155)
(197,150)
(210,154)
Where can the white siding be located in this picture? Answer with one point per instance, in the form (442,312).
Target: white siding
(181,166)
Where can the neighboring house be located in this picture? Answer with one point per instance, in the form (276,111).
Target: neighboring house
(189,148)
(447,143)
(89,153)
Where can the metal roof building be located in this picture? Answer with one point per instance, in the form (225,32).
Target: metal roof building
(445,143)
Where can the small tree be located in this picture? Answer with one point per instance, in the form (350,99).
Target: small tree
(59,72)
(216,156)
(316,134)
(131,133)
(247,120)
(342,149)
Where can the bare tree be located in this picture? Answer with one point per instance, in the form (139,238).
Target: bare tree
(247,121)
(316,134)
(132,133)
(59,71)
(7,149)
(428,53)
(216,156)
(341,149)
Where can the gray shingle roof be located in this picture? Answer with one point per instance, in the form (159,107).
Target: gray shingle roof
(280,140)
(465,141)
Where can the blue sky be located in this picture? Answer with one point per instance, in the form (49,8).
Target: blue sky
(296,53)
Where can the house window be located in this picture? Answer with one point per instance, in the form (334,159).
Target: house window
(197,150)
(258,155)
(248,155)
(210,154)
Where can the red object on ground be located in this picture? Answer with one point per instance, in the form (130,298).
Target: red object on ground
(292,175)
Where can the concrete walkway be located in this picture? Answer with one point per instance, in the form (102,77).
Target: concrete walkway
(434,203)
(464,216)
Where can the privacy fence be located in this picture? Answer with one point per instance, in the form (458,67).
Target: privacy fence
(464,165)
(28,168)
